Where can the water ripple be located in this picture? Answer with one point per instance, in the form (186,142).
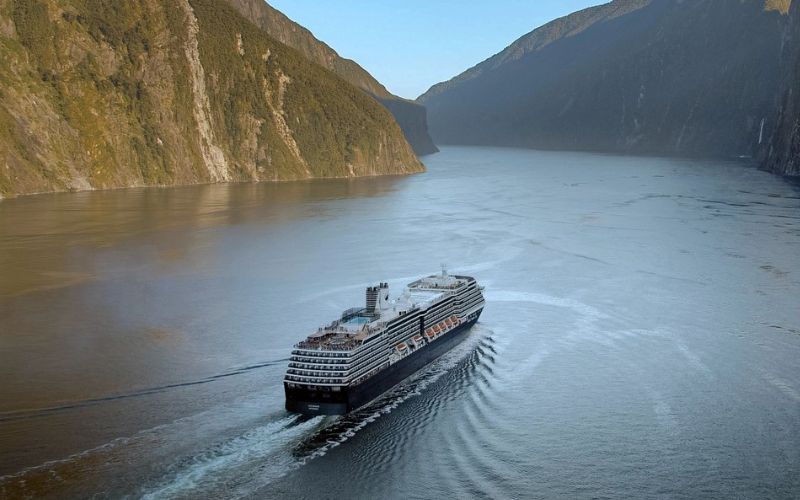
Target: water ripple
(41,412)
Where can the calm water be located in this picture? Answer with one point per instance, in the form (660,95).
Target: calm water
(641,336)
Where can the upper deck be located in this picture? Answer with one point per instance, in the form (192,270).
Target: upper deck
(358,325)
(344,334)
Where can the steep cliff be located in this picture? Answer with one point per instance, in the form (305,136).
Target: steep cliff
(100,94)
(672,77)
(411,116)
(782,155)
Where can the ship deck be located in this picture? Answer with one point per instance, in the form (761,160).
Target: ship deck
(349,332)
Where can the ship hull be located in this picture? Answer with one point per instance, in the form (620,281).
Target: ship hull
(354,397)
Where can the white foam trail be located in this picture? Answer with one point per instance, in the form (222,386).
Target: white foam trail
(693,359)
(782,385)
(265,445)
(549,300)
(610,337)
(584,326)
(664,414)
(587,324)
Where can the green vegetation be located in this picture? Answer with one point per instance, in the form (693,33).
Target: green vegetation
(35,31)
(409,115)
(99,94)
(329,119)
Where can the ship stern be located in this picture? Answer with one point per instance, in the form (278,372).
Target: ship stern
(309,400)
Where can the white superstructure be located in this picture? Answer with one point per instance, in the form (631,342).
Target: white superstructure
(366,340)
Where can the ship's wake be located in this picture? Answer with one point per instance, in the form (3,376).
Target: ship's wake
(237,465)
(236,448)
(338,430)
(261,455)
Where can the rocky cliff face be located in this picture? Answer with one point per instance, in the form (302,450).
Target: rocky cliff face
(101,94)
(668,77)
(411,116)
(413,121)
(782,154)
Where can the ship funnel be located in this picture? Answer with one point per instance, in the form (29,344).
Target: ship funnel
(372,298)
(383,298)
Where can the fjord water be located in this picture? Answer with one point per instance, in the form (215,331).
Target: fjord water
(641,336)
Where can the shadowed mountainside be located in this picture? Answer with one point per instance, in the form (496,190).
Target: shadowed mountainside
(664,77)
(411,116)
(782,155)
(102,94)
(537,40)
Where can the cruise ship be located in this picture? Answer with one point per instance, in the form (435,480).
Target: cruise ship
(368,350)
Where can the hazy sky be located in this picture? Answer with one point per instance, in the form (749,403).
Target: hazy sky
(409,45)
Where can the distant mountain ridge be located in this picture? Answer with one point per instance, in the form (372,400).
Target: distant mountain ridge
(101,94)
(667,77)
(411,116)
(539,38)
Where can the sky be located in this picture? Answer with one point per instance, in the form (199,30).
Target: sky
(409,45)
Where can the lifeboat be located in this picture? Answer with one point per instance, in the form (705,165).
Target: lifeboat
(436,329)
(401,347)
(418,339)
(429,333)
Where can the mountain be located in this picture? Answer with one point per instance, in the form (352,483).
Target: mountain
(665,77)
(782,154)
(411,116)
(101,94)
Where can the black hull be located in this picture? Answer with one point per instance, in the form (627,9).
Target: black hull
(351,398)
